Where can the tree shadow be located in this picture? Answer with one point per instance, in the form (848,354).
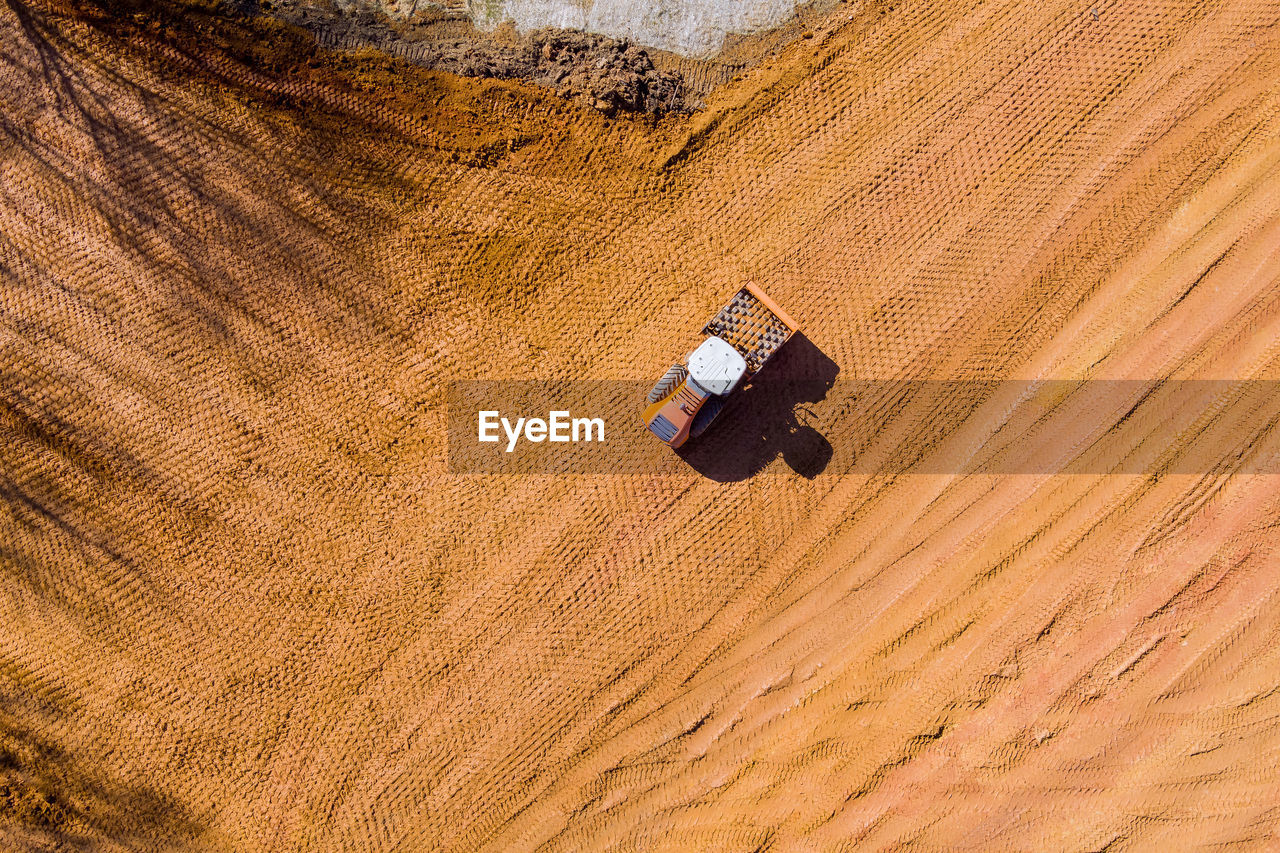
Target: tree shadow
(766,419)
(175,194)
(56,801)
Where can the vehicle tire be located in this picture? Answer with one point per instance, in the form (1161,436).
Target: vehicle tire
(668,382)
(707,414)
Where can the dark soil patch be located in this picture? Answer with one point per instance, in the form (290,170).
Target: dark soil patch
(607,74)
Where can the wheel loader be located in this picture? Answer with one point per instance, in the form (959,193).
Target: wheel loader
(740,339)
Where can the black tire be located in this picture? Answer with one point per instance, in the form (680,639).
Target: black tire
(668,382)
(715,403)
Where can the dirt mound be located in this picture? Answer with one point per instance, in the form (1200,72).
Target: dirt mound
(606,74)
(603,73)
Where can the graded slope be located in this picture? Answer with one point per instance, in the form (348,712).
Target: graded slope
(245,606)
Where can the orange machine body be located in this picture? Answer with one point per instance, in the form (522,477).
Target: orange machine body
(749,329)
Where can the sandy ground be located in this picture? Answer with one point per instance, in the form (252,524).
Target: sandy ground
(244,605)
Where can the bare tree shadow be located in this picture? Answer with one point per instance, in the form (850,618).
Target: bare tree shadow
(766,419)
(175,194)
(176,198)
(55,801)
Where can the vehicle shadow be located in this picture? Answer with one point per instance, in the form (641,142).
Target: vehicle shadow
(763,419)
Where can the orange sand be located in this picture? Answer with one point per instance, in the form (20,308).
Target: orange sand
(244,606)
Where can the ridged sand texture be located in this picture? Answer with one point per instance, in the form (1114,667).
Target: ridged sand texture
(244,606)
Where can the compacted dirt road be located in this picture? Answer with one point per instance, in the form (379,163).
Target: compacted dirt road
(244,604)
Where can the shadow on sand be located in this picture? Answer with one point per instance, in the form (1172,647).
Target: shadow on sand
(764,419)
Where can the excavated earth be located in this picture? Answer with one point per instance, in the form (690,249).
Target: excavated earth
(610,75)
(244,604)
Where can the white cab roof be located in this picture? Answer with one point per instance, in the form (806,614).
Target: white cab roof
(716,366)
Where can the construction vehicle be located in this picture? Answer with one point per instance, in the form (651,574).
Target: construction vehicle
(741,338)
